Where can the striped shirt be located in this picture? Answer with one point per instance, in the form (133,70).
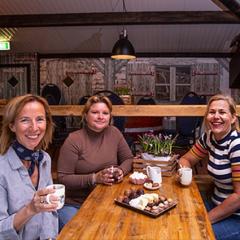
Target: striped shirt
(223,162)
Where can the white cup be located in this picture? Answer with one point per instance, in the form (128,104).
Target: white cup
(185,174)
(154,173)
(59,192)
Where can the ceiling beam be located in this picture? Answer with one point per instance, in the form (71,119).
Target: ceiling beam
(139,55)
(220,5)
(117,18)
(232,5)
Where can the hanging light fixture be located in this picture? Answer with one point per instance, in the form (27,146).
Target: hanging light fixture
(123,49)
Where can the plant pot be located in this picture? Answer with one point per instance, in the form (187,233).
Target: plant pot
(126,99)
(147,156)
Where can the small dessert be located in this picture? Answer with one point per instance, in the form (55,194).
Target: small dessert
(148,185)
(155,207)
(137,178)
(155,185)
(140,191)
(165,202)
(133,195)
(162,198)
(127,192)
(148,180)
(161,205)
(120,198)
(125,199)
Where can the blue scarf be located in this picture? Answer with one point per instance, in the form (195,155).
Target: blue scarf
(29,155)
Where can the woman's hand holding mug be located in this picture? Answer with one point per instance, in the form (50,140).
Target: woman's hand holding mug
(116,174)
(58,197)
(185,176)
(110,175)
(39,204)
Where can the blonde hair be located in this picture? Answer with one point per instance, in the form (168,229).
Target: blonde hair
(12,110)
(232,108)
(92,100)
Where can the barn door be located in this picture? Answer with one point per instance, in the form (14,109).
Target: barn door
(14,80)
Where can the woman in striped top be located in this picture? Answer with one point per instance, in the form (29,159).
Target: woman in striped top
(221,145)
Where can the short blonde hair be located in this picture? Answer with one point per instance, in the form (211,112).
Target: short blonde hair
(12,110)
(232,108)
(92,100)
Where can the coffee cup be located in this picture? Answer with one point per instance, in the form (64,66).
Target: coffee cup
(59,192)
(185,174)
(115,172)
(154,174)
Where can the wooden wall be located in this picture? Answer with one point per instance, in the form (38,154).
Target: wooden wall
(90,75)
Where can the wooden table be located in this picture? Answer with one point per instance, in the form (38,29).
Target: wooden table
(101,218)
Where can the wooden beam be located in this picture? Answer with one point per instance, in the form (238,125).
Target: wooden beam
(232,5)
(159,110)
(220,5)
(116,18)
(141,54)
(135,110)
(140,110)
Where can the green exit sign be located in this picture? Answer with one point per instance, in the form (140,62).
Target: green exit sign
(5,45)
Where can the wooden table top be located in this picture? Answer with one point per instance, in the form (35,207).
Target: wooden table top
(100,218)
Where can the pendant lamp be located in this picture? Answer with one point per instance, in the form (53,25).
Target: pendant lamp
(123,49)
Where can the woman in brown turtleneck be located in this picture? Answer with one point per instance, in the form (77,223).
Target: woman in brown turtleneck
(87,154)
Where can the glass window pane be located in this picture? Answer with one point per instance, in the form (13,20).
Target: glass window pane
(181,91)
(163,93)
(163,75)
(183,75)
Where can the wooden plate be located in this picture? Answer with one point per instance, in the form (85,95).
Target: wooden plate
(145,212)
(151,188)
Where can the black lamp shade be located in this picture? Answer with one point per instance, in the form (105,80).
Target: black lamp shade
(123,49)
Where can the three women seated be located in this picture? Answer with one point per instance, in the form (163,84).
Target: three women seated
(85,158)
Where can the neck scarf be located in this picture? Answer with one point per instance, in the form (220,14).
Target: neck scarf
(29,155)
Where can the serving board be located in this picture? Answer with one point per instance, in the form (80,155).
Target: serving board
(145,212)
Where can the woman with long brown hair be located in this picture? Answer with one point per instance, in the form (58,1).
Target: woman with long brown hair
(25,171)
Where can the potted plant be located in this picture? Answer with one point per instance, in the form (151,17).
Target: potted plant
(123,90)
(156,147)
(124,93)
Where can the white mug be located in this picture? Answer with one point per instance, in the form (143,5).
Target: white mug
(154,173)
(59,192)
(185,174)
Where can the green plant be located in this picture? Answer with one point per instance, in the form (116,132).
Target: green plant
(158,145)
(122,90)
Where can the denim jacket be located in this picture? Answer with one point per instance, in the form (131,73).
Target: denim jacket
(16,191)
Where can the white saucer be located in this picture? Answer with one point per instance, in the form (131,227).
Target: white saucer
(146,185)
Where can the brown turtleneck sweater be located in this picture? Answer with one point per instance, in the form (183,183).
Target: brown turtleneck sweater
(85,152)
